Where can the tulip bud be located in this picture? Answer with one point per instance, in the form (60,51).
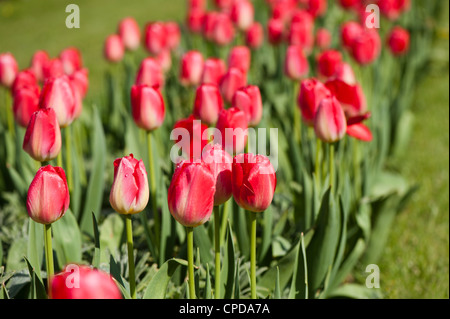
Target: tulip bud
(191,193)
(81,81)
(223,30)
(328,62)
(253,182)
(316,7)
(208,103)
(301,34)
(48,195)
(323,39)
(173,35)
(248,99)
(25,103)
(8,69)
(164,59)
(330,124)
(209,20)
(150,73)
(350,30)
(155,37)
(147,107)
(366,47)
(24,79)
(344,72)
(242,14)
(232,124)
(71,60)
(213,70)
(350,4)
(53,68)
(275,31)
(398,41)
(129,191)
(254,36)
(114,49)
(57,94)
(312,92)
(129,33)
(197,4)
(191,68)
(240,57)
(196,137)
(220,164)
(38,60)
(223,5)
(295,64)
(194,20)
(232,80)
(87,283)
(392,9)
(350,96)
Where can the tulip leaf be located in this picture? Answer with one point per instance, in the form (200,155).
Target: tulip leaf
(208,290)
(67,240)
(299,284)
(203,242)
(266,239)
(355,291)
(96,258)
(227,271)
(37,288)
(16,252)
(157,287)
(35,248)
(239,218)
(110,236)
(277,291)
(237,288)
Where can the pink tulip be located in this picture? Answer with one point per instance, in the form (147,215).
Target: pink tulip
(242,14)
(48,195)
(114,50)
(129,191)
(296,64)
(213,70)
(344,72)
(25,103)
(330,123)
(301,34)
(222,31)
(253,182)
(8,69)
(312,92)
(53,68)
(173,35)
(232,124)
(164,59)
(196,130)
(38,60)
(254,36)
(194,20)
(232,80)
(328,62)
(398,41)
(350,30)
(71,60)
(366,47)
(24,79)
(191,68)
(240,57)
(197,4)
(150,73)
(208,103)
(392,9)
(223,5)
(316,7)
(323,39)
(155,37)
(248,99)
(129,33)
(147,107)
(79,83)
(356,129)
(275,31)
(191,193)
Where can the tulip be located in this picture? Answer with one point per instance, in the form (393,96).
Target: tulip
(295,64)
(232,124)
(356,129)
(197,4)
(223,5)
(350,30)
(71,60)
(208,22)
(231,81)
(155,37)
(213,70)
(330,123)
(323,39)
(147,107)
(191,68)
(129,33)
(173,35)
(312,92)
(25,103)
(240,58)
(392,9)
(164,59)
(275,31)
(208,103)
(344,72)
(24,79)
(114,49)
(79,83)
(301,34)
(242,14)
(194,20)
(85,283)
(150,73)
(398,41)
(316,7)
(328,61)
(248,99)
(57,94)
(196,130)
(38,60)
(350,96)
(366,47)
(350,4)
(8,69)
(254,36)
(222,30)
(53,68)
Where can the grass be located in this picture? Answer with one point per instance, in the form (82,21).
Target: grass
(416,261)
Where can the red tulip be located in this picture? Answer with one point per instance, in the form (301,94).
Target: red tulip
(8,69)
(232,124)
(147,107)
(312,92)
(392,9)
(240,57)
(330,124)
(57,94)
(248,99)
(232,80)
(71,60)
(194,20)
(194,138)
(296,65)
(254,36)
(191,68)
(129,191)
(173,35)
(24,79)
(254,182)
(220,164)
(323,39)
(81,81)
(48,195)
(275,31)
(350,96)
(38,60)
(301,34)
(83,282)
(398,41)
(223,5)
(208,103)
(223,30)
(197,4)
(191,193)
(53,68)
(155,37)
(316,7)
(129,32)
(242,14)
(350,4)
(25,103)
(344,72)
(366,47)
(350,30)
(164,59)
(356,129)
(114,49)
(328,62)
(208,24)
(213,70)
(150,73)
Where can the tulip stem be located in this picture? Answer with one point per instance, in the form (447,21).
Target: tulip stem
(253,255)
(331,164)
(153,188)
(9,113)
(317,163)
(59,161)
(68,132)
(217,250)
(48,252)
(130,248)
(190,255)
(296,110)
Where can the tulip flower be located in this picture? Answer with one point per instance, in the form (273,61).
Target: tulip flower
(356,129)
(301,31)
(191,68)
(85,283)
(150,73)
(208,103)
(392,9)
(295,64)
(223,31)
(114,49)
(350,30)
(253,186)
(197,4)
(223,5)
(53,68)
(147,107)
(350,96)
(316,7)
(398,41)
(129,33)
(232,124)
(275,31)
(194,20)
(248,99)
(38,60)
(344,72)
(213,70)
(330,123)
(196,130)
(323,39)
(71,60)
(312,92)
(328,61)
(173,35)
(24,79)
(254,36)
(25,103)
(366,47)
(231,81)
(155,37)
(8,69)
(240,58)
(191,200)
(242,14)
(208,24)
(349,4)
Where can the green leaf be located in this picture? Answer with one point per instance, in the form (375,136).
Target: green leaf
(115,271)
(16,252)
(96,258)
(203,242)
(208,290)
(277,292)
(37,288)
(355,291)
(67,240)
(299,284)
(227,272)
(110,236)
(35,245)
(3,292)
(240,227)
(237,288)
(157,287)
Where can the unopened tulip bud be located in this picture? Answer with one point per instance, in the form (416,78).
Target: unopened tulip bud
(232,80)
(254,36)
(129,32)
(48,195)
(350,30)
(147,107)
(316,7)
(312,92)
(150,73)
(275,31)
(296,64)
(330,123)
(114,49)
(242,14)
(366,47)
(223,30)
(25,103)
(164,58)
(53,68)
(248,99)
(71,60)
(213,70)
(233,126)
(8,69)
(398,41)
(155,37)
(38,60)
(24,79)
(301,34)
(323,39)
(173,35)
(191,68)
(129,192)
(208,103)
(195,140)
(392,9)
(240,57)
(328,62)
(194,20)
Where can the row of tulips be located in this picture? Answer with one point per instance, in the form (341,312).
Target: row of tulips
(334,201)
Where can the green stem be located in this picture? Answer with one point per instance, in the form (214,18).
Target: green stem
(331,145)
(190,254)
(153,188)
(317,163)
(253,255)
(217,250)
(59,161)
(223,227)
(48,252)
(132,279)
(296,110)
(68,132)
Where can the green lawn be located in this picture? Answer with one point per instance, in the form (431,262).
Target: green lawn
(416,260)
